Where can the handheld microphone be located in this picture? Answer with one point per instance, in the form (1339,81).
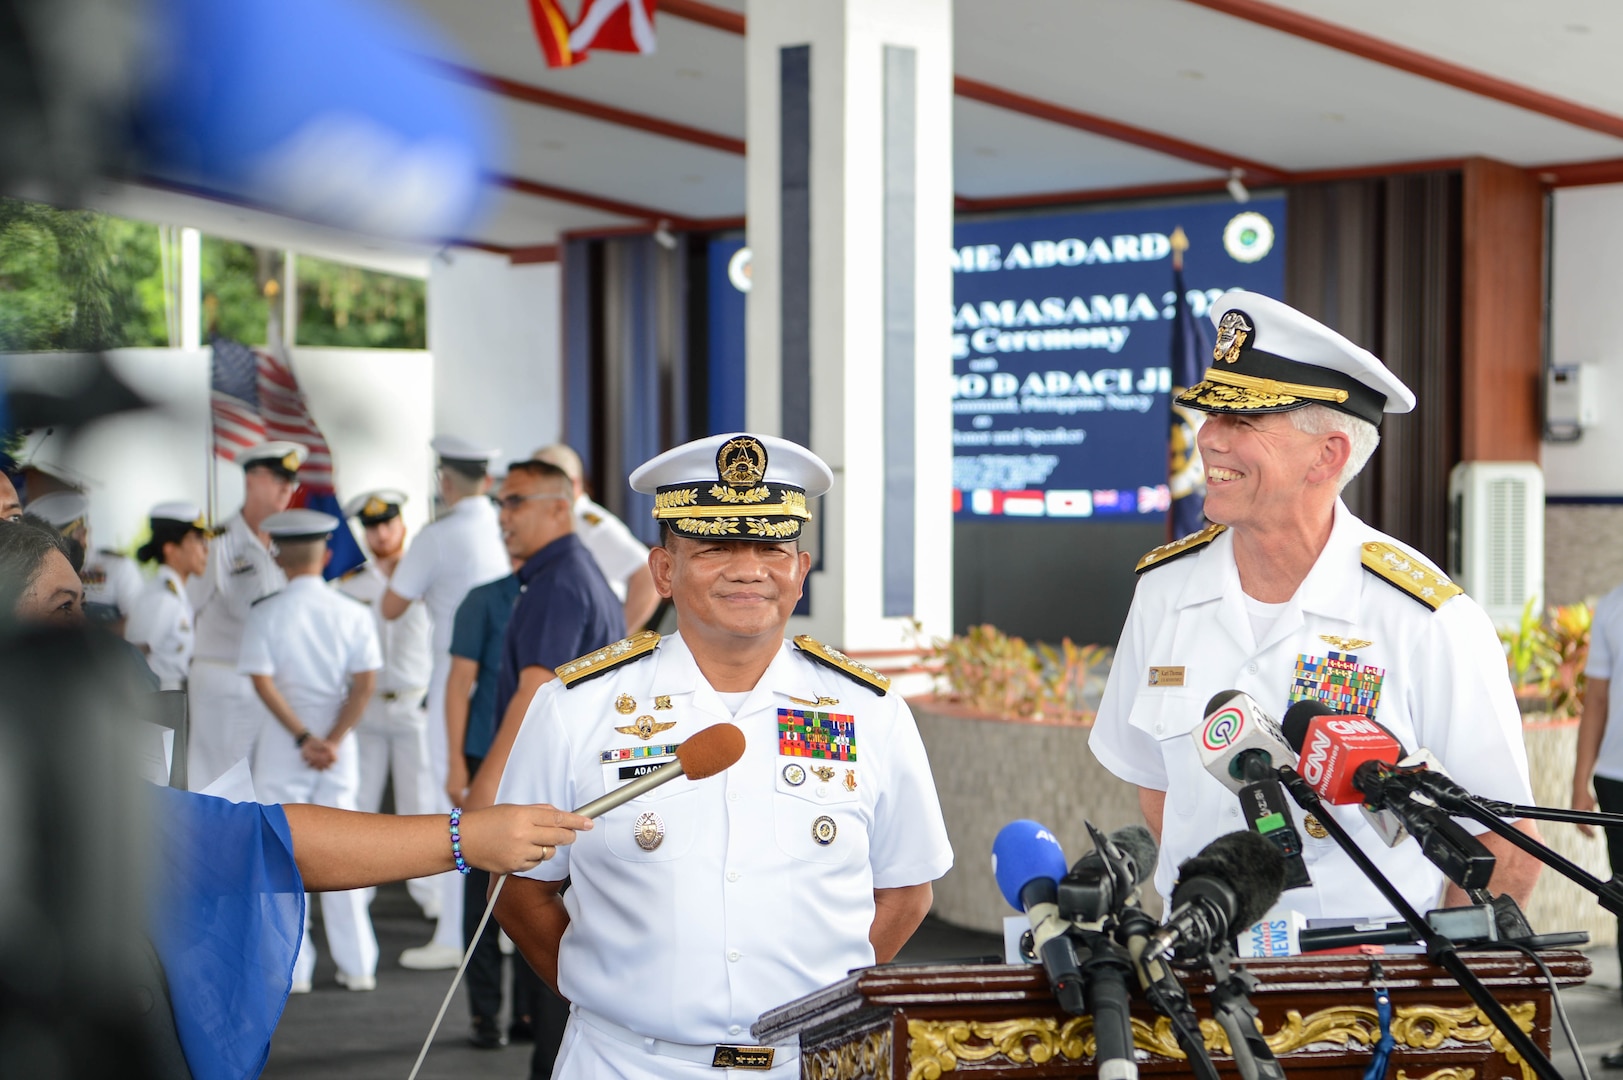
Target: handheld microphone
(1027,861)
(1106,879)
(1228,886)
(704,754)
(1349,759)
(1242,746)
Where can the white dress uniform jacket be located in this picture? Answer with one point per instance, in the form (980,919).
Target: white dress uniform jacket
(162,622)
(393,733)
(460,550)
(1440,674)
(113,580)
(618,553)
(698,906)
(226,715)
(310,641)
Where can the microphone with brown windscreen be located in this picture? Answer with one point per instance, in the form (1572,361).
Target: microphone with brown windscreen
(704,754)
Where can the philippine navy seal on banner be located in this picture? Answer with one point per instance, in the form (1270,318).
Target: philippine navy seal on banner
(701,904)
(1288,596)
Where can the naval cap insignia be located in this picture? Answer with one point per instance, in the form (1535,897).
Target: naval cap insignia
(649,831)
(1232,330)
(741,461)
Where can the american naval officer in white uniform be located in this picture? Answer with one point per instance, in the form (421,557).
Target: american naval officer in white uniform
(463,548)
(226,715)
(1288,596)
(699,905)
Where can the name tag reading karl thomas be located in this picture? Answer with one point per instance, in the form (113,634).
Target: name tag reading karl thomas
(1166,676)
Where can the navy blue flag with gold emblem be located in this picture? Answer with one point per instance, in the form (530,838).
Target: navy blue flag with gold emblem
(1186,476)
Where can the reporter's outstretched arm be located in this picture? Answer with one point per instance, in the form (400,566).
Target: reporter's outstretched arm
(343,849)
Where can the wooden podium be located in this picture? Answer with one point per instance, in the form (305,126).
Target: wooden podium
(1318,1014)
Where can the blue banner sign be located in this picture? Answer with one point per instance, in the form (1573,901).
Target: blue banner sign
(1061,338)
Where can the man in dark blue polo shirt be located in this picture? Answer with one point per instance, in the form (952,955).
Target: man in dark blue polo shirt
(565,609)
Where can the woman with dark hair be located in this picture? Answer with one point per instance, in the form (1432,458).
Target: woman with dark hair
(162,623)
(37,582)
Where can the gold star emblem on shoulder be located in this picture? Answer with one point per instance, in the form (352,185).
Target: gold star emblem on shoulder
(646,728)
(1345,644)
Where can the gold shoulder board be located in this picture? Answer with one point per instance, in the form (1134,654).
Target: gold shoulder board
(169,583)
(1392,564)
(842,663)
(608,657)
(592,519)
(1167,552)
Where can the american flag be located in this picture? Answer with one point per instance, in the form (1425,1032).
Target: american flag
(255,397)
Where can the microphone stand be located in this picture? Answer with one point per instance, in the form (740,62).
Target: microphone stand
(1234,1013)
(1550,813)
(1439,949)
(1456,800)
(1165,993)
(1105,968)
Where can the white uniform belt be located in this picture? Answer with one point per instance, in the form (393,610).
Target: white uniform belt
(702,1053)
(217,661)
(408,693)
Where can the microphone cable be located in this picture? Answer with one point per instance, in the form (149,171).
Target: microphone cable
(1559,1005)
(456,980)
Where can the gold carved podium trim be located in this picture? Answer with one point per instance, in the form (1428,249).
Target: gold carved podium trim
(867,1056)
(936,1047)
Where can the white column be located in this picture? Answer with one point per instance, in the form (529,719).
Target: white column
(873,265)
(191,289)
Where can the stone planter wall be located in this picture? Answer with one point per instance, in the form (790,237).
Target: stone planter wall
(990,771)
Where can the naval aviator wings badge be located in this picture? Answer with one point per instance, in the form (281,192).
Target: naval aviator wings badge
(646,727)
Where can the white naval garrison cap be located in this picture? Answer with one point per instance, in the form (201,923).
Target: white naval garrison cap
(60,509)
(734,487)
(299,525)
(1270,357)
(456,451)
(283,457)
(375,507)
(179,511)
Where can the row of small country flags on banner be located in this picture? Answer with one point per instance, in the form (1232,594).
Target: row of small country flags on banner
(1098,502)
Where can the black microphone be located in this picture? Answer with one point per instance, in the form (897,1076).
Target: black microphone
(1344,759)
(1242,747)
(1227,887)
(1107,878)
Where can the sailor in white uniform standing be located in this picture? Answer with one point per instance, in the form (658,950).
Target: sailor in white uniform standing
(312,655)
(700,904)
(163,624)
(226,715)
(621,556)
(392,738)
(1287,596)
(460,550)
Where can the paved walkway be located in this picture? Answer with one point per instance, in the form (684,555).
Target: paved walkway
(333,1034)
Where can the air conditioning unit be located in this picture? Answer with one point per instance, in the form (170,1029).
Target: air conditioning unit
(1496,534)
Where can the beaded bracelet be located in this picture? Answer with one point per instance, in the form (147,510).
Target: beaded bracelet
(456,841)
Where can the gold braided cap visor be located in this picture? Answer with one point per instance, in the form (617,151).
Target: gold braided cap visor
(1254,384)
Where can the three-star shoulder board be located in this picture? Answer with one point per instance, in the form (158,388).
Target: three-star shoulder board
(1398,567)
(607,658)
(1167,552)
(834,658)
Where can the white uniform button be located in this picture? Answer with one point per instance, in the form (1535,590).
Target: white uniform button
(733,955)
(822,791)
(1251,669)
(732,875)
(1234,811)
(734,796)
(735,1030)
(1158,727)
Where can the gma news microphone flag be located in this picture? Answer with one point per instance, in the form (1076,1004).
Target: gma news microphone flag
(254,397)
(610,25)
(1186,476)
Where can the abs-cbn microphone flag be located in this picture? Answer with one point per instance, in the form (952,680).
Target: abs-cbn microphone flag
(1186,475)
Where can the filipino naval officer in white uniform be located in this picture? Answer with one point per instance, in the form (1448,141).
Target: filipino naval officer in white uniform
(1287,596)
(163,624)
(621,556)
(460,550)
(313,657)
(699,905)
(226,715)
(113,583)
(392,738)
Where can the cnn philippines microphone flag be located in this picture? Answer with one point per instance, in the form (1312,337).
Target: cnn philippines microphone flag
(610,25)
(1186,475)
(255,397)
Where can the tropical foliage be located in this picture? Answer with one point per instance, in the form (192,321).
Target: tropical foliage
(1001,675)
(1546,656)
